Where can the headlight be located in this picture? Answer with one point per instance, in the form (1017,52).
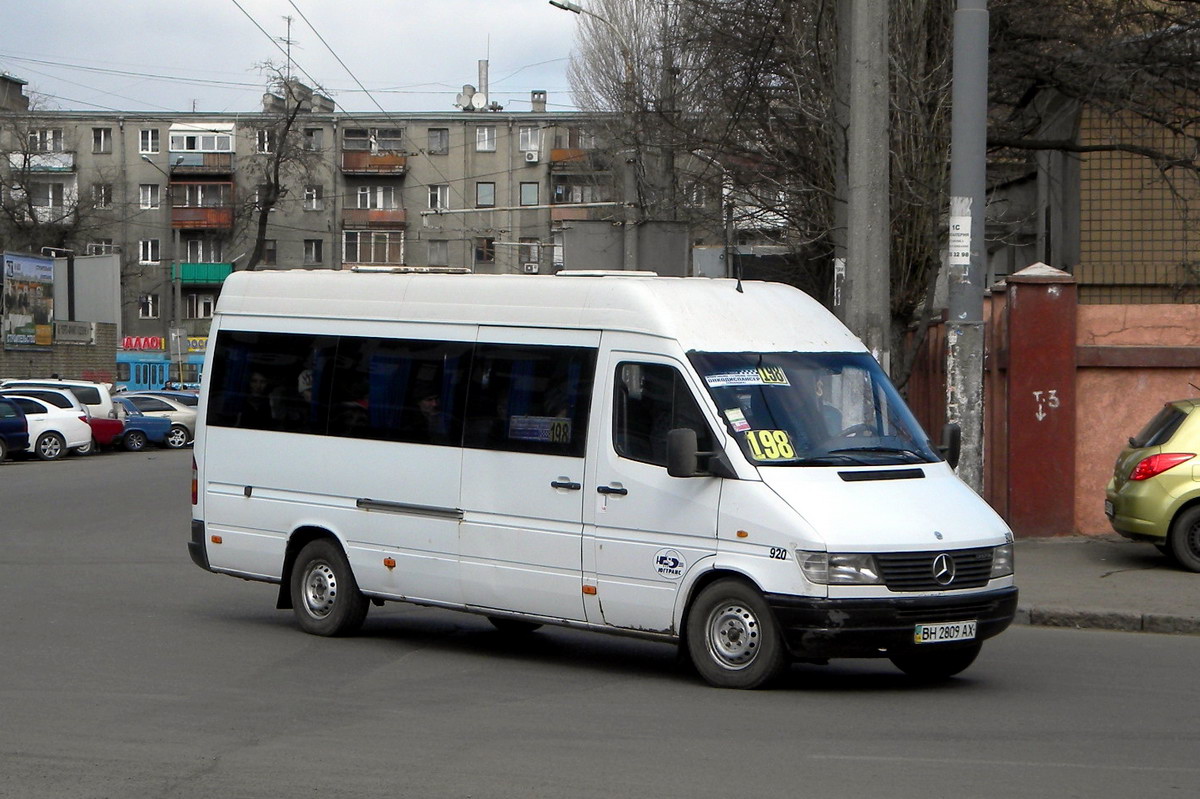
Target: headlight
(1002,561)
(831,568)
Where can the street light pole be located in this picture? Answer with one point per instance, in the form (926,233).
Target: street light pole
(630,188)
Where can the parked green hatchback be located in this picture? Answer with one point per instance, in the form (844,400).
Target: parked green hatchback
(1154,493)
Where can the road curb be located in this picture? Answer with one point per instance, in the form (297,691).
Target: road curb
(1108,620)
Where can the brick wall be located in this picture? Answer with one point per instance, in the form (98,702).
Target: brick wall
(83,361)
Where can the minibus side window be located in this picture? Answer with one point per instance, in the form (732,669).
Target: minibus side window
(525,398)
(650,399)
(271,381)
(399,390)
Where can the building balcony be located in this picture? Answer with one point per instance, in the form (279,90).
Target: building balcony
(369,218)
(357,162)
(195,218)
(575,159)
(201,273)
(569,214)
(201,163)
(41,162)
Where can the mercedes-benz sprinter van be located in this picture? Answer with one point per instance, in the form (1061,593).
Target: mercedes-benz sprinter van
(719,465)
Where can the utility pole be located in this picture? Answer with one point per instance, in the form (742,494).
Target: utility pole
(867,285)
(967,251)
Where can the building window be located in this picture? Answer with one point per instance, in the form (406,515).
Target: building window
(439,252)
(200,195)
(199,306)
(485,195)
(529,251)
(148,141)
(485,251)
(148,251)
(101,140)
(529,193)
(529,139)
(264,141)
(373,139)
(312,199)
(485,139)
(102,247)
(313,252)
(148,306)
(439,141)
(261,191)
(204,250)
(377,197)
(314,139)
(439,196)
(102,195)
(46,140)
(201,143)
(371,247)
(149,195)
(270,255)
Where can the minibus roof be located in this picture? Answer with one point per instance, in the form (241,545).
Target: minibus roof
(704,314)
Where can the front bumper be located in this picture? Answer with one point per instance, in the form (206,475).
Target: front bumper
(827,628)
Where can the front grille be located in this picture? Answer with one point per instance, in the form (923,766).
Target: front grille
(915,571)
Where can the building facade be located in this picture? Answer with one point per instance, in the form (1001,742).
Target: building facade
(178,196)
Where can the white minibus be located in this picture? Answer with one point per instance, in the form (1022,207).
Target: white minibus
(712,463)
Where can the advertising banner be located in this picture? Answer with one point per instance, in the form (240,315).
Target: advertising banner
(28,302)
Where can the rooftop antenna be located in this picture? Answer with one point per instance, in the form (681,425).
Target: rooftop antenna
(288,41)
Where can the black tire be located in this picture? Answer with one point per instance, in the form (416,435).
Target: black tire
(1184,539)
(177,438)
(732,637)
(936,663)
(50,446)
(3,450)
(134,441)
(88,448)
(513,626)
(325,595)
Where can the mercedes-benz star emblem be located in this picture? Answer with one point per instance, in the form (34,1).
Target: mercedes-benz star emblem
(943,569)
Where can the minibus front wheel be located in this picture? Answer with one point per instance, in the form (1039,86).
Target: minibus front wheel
(325,595)
(733,638)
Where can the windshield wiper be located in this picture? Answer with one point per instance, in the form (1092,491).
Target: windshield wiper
(827,459)
(886,451)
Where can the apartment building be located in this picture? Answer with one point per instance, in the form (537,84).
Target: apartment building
(178,196)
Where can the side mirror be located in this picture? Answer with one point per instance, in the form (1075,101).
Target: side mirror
(682,458)
(951,445)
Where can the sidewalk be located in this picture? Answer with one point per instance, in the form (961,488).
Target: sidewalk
(1104,582)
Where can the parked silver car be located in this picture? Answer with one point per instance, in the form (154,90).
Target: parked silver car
(183,418)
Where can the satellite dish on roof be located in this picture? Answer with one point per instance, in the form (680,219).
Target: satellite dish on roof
(463,100)
(478,100)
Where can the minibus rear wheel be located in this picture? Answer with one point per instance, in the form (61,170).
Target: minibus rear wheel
(325,595)
(733,638)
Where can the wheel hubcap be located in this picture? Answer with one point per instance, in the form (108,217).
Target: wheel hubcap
(733,635)
(320,590)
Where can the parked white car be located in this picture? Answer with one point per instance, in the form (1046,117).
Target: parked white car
(53,431)
(183,418)
(96,396)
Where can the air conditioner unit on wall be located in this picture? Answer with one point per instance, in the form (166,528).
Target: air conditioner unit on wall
(531,156)
(531,268)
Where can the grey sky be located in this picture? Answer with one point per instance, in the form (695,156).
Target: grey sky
(171,55)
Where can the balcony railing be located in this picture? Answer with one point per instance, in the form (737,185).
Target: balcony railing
(201,163)
(368,218)
(191,218)
(355,162)
(42,162)
(209,273)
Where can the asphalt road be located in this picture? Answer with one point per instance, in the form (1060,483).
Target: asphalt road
(129,672)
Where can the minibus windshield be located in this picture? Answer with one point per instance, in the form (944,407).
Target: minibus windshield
(812,409)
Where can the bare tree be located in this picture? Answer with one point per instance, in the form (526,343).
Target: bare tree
(284,158)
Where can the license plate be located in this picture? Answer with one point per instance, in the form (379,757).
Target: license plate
(944,632)
(1109,511)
